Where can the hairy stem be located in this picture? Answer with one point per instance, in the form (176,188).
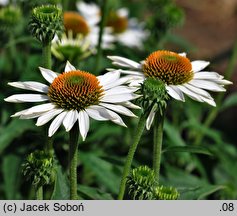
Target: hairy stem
(73,154)
(157,143)
(46,55)
(137,136)
(39,193)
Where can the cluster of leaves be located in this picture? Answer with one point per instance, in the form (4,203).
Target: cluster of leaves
(199,167)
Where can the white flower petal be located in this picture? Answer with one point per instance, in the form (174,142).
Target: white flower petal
(118,82)
(89,11)
(30,85)
(46,117)
(69,67)
(197,90)
(22,112)
(84,123)
(194,96)
(34,111)
(208,85)
(175,92)
(56,123)
(150,118)
(30,116)
(122,12)
(109,77)
(198,65)
(119,98)
(118,90)
(114,117)
(223,82)
(95,112)
(124,62)
(207,75)
(202,95)
(136,83)
(130,72)
(130,105)
(70,119)
(210,101)
(212,76)
(183,54)
(19,98)
(48,74)
(119,109)
(101,113)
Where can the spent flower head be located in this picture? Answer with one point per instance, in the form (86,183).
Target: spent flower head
(74,96)
(179,74)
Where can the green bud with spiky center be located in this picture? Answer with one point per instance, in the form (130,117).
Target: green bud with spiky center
(39,168)
(46,22)
(154,95)
(140,183)
(165,193)
(9,17)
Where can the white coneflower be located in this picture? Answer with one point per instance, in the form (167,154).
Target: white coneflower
(127,31)
(71,48)
(180,75)
(88,28)
(74,96)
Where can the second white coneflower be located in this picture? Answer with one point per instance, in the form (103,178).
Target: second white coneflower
(179,74)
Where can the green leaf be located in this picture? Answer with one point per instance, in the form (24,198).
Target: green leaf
(191,149)
(230,101)
(200,128)
(13,130)
(61,186)
(93,193)
(179,178)
(103,170)
(11,171)
(173,135)
(199,192)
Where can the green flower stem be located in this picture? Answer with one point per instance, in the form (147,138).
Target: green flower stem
(47,55)
(157,143)
(73,154)
(137,136)
(214,112)
(39,193)
(102,25)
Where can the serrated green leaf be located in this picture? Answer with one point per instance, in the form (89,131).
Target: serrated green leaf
(11,169)
(61,186)
(191,149)
(93,193)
